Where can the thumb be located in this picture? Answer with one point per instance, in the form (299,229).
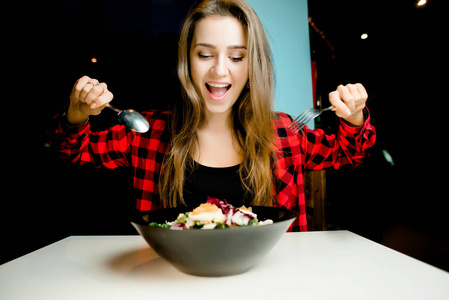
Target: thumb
(341,110)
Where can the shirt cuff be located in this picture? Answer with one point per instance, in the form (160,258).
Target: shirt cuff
(353,131)
(69,128)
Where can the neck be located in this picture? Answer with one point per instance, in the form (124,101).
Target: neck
(217,145)
(217,121)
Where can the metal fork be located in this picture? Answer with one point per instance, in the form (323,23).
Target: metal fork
(305,117)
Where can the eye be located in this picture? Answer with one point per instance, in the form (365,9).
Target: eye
(204,56)
(236,58)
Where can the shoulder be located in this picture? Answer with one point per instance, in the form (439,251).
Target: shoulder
(287,143)
(281,122)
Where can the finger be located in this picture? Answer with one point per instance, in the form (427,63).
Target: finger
(354,91)
(357,98)
(78,86)
(88,86)
(85,90)
(104,98)
(363,96)
(92,95)
(340,107)
(347,96)
(362,91)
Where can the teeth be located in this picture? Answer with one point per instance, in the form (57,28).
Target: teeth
(218,85)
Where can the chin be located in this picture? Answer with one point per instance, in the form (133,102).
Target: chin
(222,106)
(218,109)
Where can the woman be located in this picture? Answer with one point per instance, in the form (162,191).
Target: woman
(224,141)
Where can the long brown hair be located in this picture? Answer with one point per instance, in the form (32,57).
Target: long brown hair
(252,114)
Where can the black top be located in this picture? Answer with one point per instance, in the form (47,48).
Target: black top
(222,183)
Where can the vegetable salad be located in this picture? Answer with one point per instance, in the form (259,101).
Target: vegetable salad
(215,213)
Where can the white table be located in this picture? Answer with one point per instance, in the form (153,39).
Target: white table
(310,265)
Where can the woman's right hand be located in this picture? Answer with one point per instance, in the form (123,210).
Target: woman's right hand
(88,98)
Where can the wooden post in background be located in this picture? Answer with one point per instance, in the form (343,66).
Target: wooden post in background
(315,194)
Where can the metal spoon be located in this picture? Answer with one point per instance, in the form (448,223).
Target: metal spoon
(131,119)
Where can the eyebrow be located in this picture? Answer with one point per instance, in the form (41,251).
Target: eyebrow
(215,47)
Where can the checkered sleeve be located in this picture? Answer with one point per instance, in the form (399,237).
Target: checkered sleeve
(349,146)
(108,148)
(313,150)
(118,146)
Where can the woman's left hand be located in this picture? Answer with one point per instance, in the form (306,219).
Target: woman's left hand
(349,102)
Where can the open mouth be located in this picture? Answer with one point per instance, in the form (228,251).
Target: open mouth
(218,90)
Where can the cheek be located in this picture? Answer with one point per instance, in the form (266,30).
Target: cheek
(196,73)
(242,75)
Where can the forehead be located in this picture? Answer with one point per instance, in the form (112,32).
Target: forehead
(219,31)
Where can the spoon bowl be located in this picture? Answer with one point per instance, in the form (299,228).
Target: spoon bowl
(131,119)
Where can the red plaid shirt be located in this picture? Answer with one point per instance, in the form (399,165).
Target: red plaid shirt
(145,152)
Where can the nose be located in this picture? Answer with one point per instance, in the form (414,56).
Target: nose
(220,68)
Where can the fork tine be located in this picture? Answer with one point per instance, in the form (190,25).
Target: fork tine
(297,119)
(297,127)
(305,117)
(302,120)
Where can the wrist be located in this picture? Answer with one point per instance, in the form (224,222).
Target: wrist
(356,120)
(75,117)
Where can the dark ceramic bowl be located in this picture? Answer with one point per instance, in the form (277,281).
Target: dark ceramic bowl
(217,252)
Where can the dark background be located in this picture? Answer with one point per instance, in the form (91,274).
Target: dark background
(135,42)
(400,205)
